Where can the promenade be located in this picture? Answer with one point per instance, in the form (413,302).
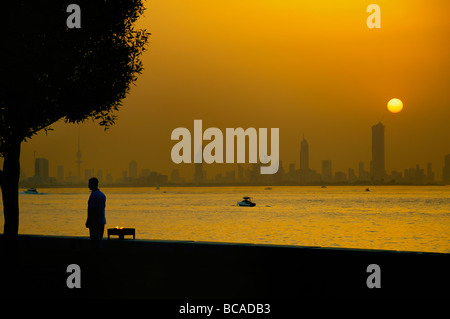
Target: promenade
(186,270)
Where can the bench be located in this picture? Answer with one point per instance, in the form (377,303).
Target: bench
(121,232)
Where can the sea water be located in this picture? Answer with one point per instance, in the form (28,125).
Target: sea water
(407,218)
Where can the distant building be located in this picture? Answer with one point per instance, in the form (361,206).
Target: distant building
(305,174)
(363,175)
(351,175)
(133,170)
(175,177)
(340,177)
(419,175)
(60,173)
(327,173)
(199,175)
(446,170)
(145,172)
(291,172)
(151,178)
(304,155)
(396,177)
(409,175)
(377,167)
(41,169)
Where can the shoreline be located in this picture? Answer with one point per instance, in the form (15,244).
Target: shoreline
(193,185)
(212,242)
(186,270)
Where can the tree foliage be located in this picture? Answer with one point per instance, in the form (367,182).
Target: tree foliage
(49,72)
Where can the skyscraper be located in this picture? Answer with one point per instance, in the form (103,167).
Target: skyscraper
(198,174)
(446,170)
(377,165)
(41,168)
(304,155)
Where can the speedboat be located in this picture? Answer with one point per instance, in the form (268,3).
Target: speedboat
(31,191)
(246,201)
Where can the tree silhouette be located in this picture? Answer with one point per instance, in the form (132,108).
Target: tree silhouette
(50,72)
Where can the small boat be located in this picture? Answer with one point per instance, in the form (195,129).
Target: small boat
(31,191)
(268,188)
(247,201)
(367,190)
(323,186)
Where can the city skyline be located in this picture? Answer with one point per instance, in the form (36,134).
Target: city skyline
(301,174)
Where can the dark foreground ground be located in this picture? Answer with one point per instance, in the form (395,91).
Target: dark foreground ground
(215,271)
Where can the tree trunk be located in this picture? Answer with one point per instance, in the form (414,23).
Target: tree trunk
(10,191)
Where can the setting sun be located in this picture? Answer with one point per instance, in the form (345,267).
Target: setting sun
(395,105)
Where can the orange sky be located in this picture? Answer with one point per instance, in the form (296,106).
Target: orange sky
(311,67)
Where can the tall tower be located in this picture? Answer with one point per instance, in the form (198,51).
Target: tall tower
(446,169)
(377,167)
(78,161)
(304,155)
(41,168)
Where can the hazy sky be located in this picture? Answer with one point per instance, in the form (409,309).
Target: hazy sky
(311,67)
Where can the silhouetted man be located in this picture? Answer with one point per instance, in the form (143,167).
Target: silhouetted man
(96,214)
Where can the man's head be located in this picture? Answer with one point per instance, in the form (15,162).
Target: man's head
(93,183)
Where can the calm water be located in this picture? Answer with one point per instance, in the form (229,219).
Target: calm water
(413,218)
